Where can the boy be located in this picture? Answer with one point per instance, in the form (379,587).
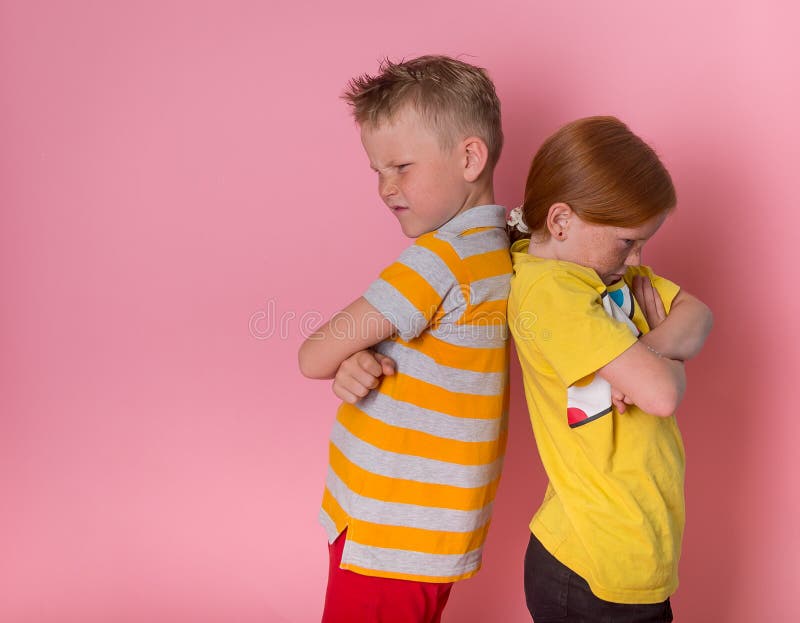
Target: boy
(420,359)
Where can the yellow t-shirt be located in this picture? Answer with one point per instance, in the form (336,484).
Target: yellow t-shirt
(614,507)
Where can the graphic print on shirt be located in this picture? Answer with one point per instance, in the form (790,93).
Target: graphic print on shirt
(590,397)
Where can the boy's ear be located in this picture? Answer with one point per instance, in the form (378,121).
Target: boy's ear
(558,218)
(476,157)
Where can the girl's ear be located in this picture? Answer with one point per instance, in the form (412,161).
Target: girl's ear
(558,220)
(476,157)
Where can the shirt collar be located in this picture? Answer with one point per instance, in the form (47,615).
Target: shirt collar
(479,216)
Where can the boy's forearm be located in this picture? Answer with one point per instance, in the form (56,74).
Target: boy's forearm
(356,327)
(682,334)
(314,361)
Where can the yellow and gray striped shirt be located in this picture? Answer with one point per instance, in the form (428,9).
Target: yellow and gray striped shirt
(414,466)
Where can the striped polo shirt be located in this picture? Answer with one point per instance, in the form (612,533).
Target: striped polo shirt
(414,466)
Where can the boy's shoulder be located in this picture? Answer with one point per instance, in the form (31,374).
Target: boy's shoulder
(479,230)
(475,218)
(464,240)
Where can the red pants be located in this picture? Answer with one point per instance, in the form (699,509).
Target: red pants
(355,598)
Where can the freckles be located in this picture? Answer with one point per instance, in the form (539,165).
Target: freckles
(600,259)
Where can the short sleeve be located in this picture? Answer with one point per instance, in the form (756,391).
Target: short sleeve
(409,292)
(572,329)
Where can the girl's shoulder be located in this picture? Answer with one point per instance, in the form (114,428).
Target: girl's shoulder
(554,289)
(531,272)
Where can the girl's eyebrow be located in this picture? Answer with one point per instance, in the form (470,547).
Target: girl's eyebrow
(633,237)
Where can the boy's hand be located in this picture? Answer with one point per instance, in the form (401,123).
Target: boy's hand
(649,300)
(360,373)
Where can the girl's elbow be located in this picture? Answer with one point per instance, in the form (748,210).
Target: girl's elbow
(709,320)
(668,399)
(665,406)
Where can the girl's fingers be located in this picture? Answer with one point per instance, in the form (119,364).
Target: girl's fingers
(649,300)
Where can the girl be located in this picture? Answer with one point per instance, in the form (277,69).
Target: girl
(603,373)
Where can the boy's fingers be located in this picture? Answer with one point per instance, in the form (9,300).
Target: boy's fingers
(387,364)
(360,373)
(369,363)
(343,394)
(352,387)
(367,379)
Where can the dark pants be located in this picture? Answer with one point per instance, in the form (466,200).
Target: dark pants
(555,593)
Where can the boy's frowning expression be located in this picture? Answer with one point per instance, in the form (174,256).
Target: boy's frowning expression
(421,181)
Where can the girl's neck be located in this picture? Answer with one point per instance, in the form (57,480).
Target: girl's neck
(544,249)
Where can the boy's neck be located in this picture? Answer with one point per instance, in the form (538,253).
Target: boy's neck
(482,195)
(473,200)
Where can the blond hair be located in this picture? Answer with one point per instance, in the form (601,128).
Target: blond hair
(454,98)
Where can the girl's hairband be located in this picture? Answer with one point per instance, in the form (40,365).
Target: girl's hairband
(515,220)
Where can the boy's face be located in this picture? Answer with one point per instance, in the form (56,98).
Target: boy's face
(423,184)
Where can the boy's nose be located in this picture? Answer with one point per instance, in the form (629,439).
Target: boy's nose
(386,188)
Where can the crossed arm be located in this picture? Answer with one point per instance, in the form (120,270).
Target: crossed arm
(655,381)
(651,373)
(352,330)
(680,335)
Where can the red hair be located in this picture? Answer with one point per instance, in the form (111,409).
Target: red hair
(603,171)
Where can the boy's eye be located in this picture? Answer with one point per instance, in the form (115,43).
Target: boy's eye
(402,167)
(627,242)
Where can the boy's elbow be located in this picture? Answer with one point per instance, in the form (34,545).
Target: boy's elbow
(307,363)
(303,364)
(305,369)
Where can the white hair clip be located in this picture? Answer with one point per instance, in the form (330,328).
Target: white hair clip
(515,220)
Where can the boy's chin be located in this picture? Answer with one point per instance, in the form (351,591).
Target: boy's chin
(411,231)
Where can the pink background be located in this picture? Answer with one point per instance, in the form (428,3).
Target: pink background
(183,193)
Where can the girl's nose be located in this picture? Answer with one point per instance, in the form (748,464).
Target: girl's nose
(634,258)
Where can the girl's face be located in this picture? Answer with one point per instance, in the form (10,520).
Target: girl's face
(607,249)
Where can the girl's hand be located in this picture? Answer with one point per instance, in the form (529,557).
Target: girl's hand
(649,300)
(620,400)
(360,373)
